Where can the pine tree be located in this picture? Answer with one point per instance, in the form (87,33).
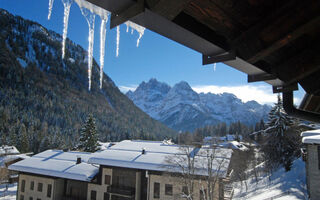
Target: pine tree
(88,137)
(278,147)
(23,139)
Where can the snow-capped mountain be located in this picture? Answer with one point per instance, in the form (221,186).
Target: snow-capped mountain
(181,108)
(40,89)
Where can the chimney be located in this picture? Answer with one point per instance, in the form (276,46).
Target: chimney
(78,160)
(143,151)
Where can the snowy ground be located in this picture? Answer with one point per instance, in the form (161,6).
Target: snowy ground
(9,194)
(281,185)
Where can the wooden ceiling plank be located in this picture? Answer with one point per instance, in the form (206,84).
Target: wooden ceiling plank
(300,66)
(167,8)
(311,25)
(127,14)
(251,41)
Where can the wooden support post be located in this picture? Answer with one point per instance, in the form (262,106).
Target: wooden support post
(218,58)
(261,77)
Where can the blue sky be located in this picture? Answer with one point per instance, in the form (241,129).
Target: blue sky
(156,57)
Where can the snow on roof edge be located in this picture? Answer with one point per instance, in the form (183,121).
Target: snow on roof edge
(315,139)
(310,133)
(67,175)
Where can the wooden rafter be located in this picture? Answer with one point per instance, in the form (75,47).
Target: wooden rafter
(277,30)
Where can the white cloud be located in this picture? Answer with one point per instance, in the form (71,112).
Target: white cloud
(125,89)
(261,94)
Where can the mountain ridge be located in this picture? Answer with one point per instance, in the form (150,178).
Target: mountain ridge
(181,108)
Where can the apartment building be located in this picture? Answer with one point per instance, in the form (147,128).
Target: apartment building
(311,141)
(128,170)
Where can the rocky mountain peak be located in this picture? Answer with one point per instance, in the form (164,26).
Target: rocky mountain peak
(181,108)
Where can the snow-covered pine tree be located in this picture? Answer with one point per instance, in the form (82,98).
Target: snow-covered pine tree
(88,140)
(277,147)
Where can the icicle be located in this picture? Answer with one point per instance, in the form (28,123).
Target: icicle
(90,17)
(67,5)
(102,46)
(127,28)
(136,27)
(118,40)
(50,8)
(214,66)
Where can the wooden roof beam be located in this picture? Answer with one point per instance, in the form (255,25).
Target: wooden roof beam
(299,67)
(167,8)
(125,15)
(275,31)
(311,25)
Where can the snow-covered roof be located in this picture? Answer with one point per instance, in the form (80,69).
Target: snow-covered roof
(8,158)
(128,154)
(234,145)
(5,150)
(311,137)
(58,163)
(310,133)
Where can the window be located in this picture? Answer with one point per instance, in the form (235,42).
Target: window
(31,186)
(156,190)
(21,197)
(106,196)
(30,198)
(185,190)
(93,195)
(38,199)
(49,190)
(23,185)
(40,185)
(168,189)
(203,194)
(107,179)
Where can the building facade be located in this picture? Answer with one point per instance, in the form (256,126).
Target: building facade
(118,173)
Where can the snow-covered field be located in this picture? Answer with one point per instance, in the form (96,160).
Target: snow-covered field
(280,185)
(8,194)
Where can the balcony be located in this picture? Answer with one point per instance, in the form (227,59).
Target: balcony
(72,198)
(122,191)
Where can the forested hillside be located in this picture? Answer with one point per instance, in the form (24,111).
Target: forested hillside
(44,100)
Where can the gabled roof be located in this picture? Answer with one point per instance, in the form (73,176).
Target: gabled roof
(57,163)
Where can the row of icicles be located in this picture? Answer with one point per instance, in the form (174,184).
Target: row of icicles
(90,17)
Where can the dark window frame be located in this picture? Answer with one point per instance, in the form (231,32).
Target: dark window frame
(106,196)
(32,185)
(201,194)
(23,185)
(93,195)
(107,179)
(21,197)
(185,190)
(168,188)
(156,190)
(40,187)
(49,190)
